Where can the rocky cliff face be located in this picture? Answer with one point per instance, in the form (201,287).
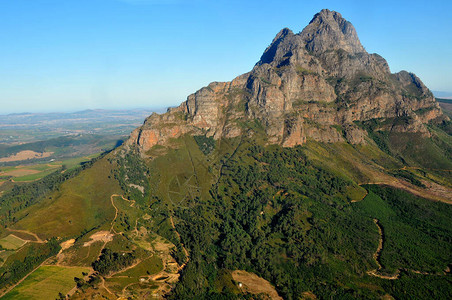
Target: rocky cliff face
(317,84)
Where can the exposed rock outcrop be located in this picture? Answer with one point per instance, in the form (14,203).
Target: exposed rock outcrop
(317,84)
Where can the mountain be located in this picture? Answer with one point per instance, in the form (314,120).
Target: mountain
(305,86)
(318,174)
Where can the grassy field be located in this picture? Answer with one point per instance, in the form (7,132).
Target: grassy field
(183,174)
(80,204)
(32,172)
(4,254)
(149,266)
(36,176)
(71,163)
(46,282)
(116,284)
(121,280)
(11,242)
(359,163)
(28,172)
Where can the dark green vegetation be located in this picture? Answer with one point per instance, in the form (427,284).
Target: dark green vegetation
(47,282)
(23,196)
(273,212)
(20,264)
(414,149)
(206,144)
(417,233)
(408,176)
(132,176)
(112,261)
(236,204)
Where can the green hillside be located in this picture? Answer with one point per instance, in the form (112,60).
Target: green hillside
(297,217)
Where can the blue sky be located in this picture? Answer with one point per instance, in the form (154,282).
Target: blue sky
(72,55)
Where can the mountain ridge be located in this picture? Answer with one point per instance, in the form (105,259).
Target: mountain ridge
(316,84)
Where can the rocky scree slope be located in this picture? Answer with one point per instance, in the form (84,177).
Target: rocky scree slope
(318,84)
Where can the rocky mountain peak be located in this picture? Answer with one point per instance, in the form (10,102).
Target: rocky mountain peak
(329,31)
(319,84)
(270,53)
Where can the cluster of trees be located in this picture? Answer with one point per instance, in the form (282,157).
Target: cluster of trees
(271,213)
(110,261)
(276,214)
(22,196)
(36,254)
(132,172)
(25,195)
(205,144)
(417,232)
(93,280)
(409,177)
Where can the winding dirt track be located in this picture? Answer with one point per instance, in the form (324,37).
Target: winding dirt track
(183,247)
(380,245)
(116,210)
(111,231)
(20,281)
(38,240)
(377,254)
(105,287)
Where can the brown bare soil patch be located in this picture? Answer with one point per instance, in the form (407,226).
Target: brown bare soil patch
(26,154)
(64,245)
(433,191)
(20,172)
(253,284)
(103,236)
(308,295)
(67,244)
(439,190)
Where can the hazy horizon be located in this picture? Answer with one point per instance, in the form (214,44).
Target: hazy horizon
(161,109)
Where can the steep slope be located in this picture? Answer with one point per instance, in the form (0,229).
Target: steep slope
(305,86)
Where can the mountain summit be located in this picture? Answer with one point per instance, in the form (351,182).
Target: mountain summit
(329,31)
(319,84)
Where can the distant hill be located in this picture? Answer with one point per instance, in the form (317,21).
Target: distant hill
(446,105)
(31,127)
(440,94)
